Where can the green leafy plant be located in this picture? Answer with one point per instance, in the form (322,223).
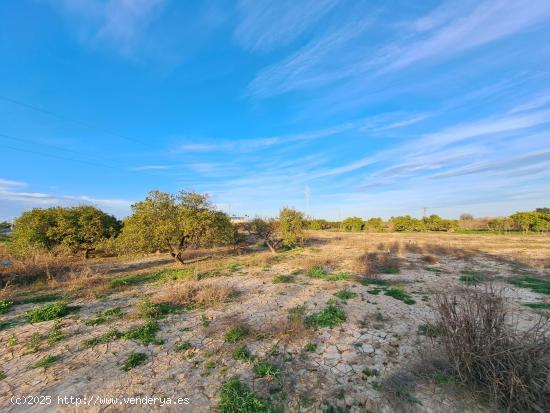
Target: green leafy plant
(45,362)
(310,347)
(5,306)
(104,316)
(134,360)
(266,370)
(283,279)
(48,312)
(399,294)
(180,347)
(147,309)
(242,354)
(146,334)
(112,334)
(236,396)
(330,316)
(235,334)
(345,294)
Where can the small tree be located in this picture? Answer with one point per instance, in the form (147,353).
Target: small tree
(466,217)
(407,223)
(524,220)
(374,225)
(164,221)
(291,227)
(266,230)
(354,224)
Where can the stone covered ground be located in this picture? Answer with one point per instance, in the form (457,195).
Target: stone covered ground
(368,359)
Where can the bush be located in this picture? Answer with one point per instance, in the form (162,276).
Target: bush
(47,312)
(407,224)
(318,224)
(353,224)
(488,354)
(73,230)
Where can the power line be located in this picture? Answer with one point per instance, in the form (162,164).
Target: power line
(75,121)
(60,157)
(11,137)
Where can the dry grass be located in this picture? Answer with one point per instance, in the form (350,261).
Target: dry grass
(194,294)
(430,259)
(373,263)
(38,268)
(491,356)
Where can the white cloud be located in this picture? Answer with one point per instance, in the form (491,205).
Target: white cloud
(117,24)
(265,24)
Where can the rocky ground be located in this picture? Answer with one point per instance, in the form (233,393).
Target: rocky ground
(325,337)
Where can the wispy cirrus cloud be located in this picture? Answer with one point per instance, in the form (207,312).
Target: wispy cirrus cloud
(449,31)
(118,24)
(265,25)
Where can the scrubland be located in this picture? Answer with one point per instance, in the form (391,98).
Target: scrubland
(347,322)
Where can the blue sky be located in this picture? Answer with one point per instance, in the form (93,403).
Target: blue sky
(372,108)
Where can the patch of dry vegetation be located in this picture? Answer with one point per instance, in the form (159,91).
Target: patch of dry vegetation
(194,294)
(491,356)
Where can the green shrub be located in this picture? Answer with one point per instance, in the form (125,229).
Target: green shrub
(235,334)
(242,354)
(330,316)
(266,370)
(145,333)
(45,362)
(283,279)
(237,397)
(134,360)
(48,312)
(5,306)
(353,224)
(345,294)
(399,294)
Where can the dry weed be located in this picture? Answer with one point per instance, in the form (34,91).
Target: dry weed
(194,294)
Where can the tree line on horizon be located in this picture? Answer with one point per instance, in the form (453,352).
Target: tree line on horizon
(165,222)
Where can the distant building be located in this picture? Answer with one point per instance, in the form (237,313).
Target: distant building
(239,220)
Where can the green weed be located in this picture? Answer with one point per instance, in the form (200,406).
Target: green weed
(345,294)
(242,354)
(45,362)
(399,294)
(266,370)
(112,334)
(48,312)
(5,306)
(543,306)
(537,285)
(104,316)
(180,347)
(330,316)
(310,347)
(283,279)
(235,334)
(236,397)
(134,360)
(470,277)
(147,309)
(146,334)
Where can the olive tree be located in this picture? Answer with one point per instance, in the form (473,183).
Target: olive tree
(167,222)
(58,229)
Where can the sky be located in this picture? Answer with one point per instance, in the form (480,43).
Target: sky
(336,108)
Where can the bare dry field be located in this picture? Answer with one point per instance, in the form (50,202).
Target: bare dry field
(326,327)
